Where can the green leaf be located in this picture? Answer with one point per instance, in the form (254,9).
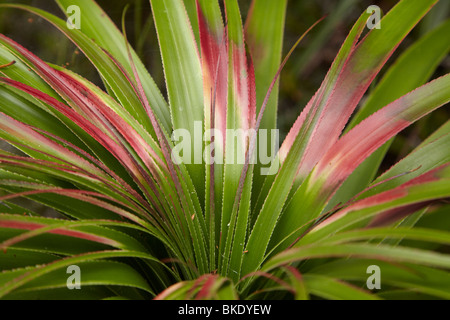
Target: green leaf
(411,70)
(424,158)
(92,230)
(394,233)
(113,76)
(92,273)
(18,258)
(410,277)
(298,283)
(389,201)
(264,33)
(398,254)
(88,293)
(33,111)
(23,110)
(183,77)
(279,191)
(21,72)
(240,118)
(207,287)
(344,157)
(14,281)
(215,85)
(99,27)
(329,288)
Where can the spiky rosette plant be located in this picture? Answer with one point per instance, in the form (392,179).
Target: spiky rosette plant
(139,222)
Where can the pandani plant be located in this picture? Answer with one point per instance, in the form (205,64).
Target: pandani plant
(139,225)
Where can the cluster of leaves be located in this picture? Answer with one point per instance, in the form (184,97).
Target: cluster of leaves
(140,226)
